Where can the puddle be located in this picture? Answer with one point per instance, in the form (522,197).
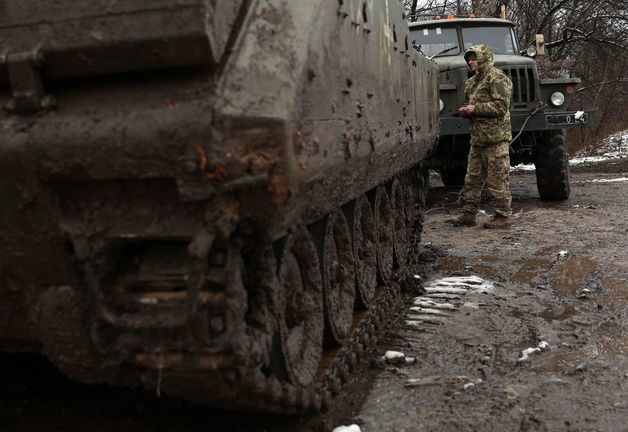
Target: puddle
(612,339)
(540,263)
(450,263)
(594,246)
(563,359)
(518,314)
(609,339)
(548,251)
(552,313)
(525,275)
(558,313)
(506,356)
(614,292)
(456,263)
(570,274)
(620,264)
(489,258)
(556,359)
(487,271)
(530,269)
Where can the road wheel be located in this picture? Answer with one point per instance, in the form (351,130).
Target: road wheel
(400,233)
(384,223)
(552,166)
(333,240)
(301,291)
(364,251)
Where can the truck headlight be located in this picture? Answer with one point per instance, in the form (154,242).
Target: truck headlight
(441,104)
(557,99)
(531,51)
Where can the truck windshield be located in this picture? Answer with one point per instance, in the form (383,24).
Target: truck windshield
(499,39)
(434,40)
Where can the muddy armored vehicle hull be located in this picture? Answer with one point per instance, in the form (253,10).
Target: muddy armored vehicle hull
(211,200)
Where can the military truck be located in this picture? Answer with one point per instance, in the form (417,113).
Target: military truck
(209,199)
(539,105)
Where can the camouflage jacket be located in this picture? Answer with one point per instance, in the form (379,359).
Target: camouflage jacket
(490,90)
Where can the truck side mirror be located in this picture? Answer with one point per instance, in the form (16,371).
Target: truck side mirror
(540,44)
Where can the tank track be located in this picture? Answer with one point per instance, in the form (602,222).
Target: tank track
(287,398)
(251,387)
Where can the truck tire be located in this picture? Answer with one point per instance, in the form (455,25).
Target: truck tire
(552,166)
(453,175)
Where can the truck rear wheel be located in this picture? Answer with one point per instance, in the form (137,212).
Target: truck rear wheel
(552,166)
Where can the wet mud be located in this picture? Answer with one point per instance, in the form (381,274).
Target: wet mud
(546,349)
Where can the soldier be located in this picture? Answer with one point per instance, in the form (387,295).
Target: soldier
(487,101)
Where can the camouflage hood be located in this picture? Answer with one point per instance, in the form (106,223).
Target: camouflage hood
(483,54)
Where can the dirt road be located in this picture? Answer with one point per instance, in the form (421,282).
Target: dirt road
(556,283)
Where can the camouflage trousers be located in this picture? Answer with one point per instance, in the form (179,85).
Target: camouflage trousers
(488,165)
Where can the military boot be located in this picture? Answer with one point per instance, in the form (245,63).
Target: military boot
(466,219)
(498,221)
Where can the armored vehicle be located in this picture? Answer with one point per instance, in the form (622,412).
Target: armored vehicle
(209,199)
(538,110)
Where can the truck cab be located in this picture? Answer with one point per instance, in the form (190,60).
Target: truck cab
(538,109)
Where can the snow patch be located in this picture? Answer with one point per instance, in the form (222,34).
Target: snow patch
(427,303)
(350,428)
(149,300)
(613,180)
(523,167)
(444,296)
(454,381)
(526,353)
(428,311)
(419,320)
(543,345)
(612,147)
(459,285)
(397,358)
(445,290)
(394,355)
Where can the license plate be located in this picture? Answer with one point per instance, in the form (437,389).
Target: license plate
(565,119)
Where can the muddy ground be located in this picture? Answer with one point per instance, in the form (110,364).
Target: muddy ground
(559,276)
(557,280)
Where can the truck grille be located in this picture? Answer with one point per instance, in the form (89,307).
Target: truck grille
(523,88)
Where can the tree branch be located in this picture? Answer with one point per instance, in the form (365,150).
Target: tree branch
(549,14)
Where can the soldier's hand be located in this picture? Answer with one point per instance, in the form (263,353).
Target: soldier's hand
(470,109)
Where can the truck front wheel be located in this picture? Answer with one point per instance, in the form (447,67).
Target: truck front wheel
(552,166)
